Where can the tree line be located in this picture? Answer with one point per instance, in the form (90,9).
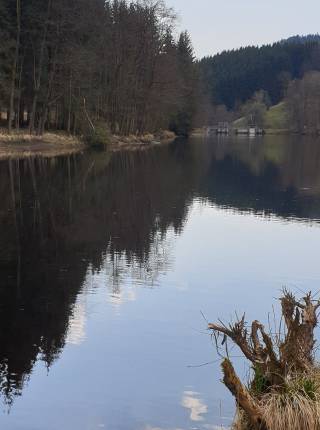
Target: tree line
(232,77)
(303,103)
(248,85)
(70,64)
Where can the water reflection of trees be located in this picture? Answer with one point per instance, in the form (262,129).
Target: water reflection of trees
(276,175)
(60,216)
(146,270)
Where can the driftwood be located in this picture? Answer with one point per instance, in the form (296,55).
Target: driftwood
(242,396)
(275,358)
(297,349)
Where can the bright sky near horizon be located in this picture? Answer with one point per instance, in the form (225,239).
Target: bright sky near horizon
(218,25)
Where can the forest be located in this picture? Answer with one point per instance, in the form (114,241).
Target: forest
(278,85)
(71,64)
(232,77)
(121,67)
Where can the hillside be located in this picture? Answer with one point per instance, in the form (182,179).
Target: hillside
(232,77)
(302,39)
(276,118)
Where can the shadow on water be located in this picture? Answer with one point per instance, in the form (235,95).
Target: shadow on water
(58,217)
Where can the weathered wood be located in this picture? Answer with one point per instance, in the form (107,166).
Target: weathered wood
(244,400)
(276,360)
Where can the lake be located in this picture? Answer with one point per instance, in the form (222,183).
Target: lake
(112,263)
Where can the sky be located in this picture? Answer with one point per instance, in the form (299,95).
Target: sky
(216,25)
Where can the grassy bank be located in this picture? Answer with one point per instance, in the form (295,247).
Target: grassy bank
(277,117)
(21,144)
(134,142)
(275,120)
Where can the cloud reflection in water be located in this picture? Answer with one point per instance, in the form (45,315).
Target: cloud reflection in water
(197,408)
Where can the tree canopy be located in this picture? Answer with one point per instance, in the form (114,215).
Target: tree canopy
(232,77)
(69,63)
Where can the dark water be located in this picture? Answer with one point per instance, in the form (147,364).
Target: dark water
(108,261)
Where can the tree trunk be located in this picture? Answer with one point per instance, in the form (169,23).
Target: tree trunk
(37,79)
(70,104)
(14,67)
(18,104)
(242,396)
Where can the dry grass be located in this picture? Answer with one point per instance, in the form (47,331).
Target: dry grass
(284,393)
(140,142)
(24,137)
(283,412)
(296,406)
(167,135)
(23,145)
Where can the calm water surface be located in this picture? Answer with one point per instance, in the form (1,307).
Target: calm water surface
(108,262)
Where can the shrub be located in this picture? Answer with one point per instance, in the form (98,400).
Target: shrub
(97,137)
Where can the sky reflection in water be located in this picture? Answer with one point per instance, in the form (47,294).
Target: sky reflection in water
(103,327)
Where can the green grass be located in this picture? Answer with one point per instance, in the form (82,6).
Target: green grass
(240,123)
(276,118)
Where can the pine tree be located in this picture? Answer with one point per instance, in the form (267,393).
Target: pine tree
(181,124)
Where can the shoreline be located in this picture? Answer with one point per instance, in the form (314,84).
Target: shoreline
(136,143)
(266,132)
(54,144)
(22,145)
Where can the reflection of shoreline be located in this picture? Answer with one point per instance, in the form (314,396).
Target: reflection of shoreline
(278,177)
(114,274)
(68,210)
(295,159)
(121,275)
(269,216)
